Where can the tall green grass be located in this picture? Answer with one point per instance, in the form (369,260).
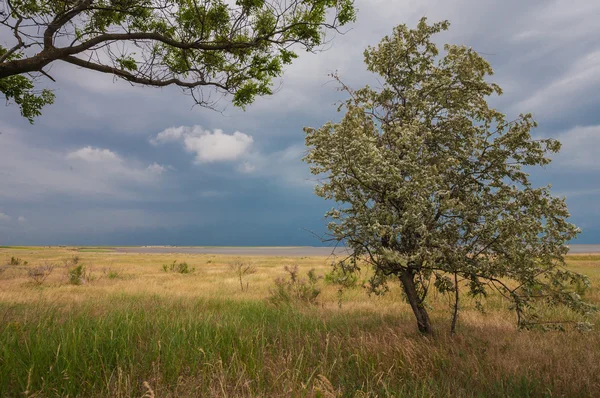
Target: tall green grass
(76,353)
(232,348)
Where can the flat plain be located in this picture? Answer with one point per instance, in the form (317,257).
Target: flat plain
(131,329)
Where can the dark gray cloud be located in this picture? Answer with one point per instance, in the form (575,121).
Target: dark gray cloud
(87,172)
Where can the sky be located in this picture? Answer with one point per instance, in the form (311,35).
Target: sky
(113,164)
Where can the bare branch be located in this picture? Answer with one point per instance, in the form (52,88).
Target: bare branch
(136,79)
(17,46)
(60,20)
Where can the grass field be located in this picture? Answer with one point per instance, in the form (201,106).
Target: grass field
(134,330)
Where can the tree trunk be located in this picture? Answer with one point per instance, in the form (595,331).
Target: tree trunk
(423,322)
(455,312)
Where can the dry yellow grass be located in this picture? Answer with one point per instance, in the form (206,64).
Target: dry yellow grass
(143,274)
(366,347)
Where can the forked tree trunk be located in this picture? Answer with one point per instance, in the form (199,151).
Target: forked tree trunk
(408,282)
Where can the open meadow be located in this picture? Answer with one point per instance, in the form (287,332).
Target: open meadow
(127,325)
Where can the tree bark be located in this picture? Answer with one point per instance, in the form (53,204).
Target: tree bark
(27,65)
(408,283)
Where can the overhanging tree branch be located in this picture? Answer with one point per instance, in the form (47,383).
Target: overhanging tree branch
(231,48)
(137,79)
(60,20)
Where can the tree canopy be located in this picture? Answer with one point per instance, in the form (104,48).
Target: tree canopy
(432,185)
(202,46)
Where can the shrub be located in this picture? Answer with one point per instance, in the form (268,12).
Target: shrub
(182,268)
(114,275)
(241,269)
(111,273)
(17,261)
(295,289)
(79,275)
(39,274)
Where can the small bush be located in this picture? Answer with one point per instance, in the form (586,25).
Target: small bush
(114,275)
(111,273)
(182,268)
(75,275)
(17,261)
(79,275)
(39,274)
(295,289)
(241,269)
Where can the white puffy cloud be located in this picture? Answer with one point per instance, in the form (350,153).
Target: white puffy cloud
(170,134)
(113,165)
(90,154)
(208,147)
(284,166)
(5,217)
(156,168)
(31,173)
(22,219)
(218,146)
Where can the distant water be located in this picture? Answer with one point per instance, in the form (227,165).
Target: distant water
(298,251)
(584,249)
